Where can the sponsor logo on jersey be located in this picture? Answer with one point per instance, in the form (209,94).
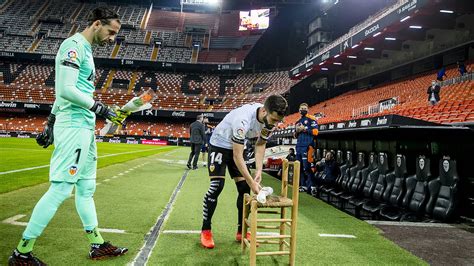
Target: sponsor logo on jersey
(72,55)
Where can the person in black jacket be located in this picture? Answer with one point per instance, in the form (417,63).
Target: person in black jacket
(291,157)
(329,170)
(433,93)
(197,139)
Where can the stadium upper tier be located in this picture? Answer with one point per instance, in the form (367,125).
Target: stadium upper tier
(456,105)
(34,83)
(154,35)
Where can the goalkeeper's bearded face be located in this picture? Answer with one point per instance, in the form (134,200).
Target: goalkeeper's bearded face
(105,32)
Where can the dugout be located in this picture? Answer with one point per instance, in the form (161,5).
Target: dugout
(394,134)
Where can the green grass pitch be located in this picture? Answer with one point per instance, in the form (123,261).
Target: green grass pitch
(136,183)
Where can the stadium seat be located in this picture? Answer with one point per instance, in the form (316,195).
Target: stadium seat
(419,184)
(442,202)
(381,195)
(416,194)
(398,190)
(354,184)
(344,181)
(369,180)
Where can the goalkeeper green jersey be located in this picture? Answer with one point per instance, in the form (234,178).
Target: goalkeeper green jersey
(74,87)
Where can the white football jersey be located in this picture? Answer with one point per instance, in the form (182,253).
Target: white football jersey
(239,125)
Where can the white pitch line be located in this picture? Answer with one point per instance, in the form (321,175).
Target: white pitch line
(127,172)
(172,161)
(111,230)
(411,224)
(171,152)
(337,235)
(47,165)
(199,231)
(42,150)
(14,221)
(24,169)
(120,174)
(113,177)
(98,184)
(106,180)
(181,231)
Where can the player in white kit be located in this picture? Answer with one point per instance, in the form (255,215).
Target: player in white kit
(250,122)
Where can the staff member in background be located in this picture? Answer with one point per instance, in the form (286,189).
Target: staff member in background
(441,74)
(197,139)
(433,92)
(462,68)
(306,130)
(205,146)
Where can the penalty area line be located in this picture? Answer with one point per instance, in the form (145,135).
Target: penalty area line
(14,221)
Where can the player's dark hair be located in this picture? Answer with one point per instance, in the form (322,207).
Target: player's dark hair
(276,103)
(104,14)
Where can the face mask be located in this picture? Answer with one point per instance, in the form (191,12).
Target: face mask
(303,112)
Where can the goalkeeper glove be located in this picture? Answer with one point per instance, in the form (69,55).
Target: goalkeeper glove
(114,116)
(46,137)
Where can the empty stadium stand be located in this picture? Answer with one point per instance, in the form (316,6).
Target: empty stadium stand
(56,20)
(33,83)
(35,123)
(456,105)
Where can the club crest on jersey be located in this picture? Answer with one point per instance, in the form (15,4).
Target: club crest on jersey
(240,132)
(306,122)
(73,170)
(212,167)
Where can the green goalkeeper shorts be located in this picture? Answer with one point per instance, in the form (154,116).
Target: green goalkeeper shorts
(74,156)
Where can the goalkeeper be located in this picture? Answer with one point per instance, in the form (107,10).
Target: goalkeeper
(71,127)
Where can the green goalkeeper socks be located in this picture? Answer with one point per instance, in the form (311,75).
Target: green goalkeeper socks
(94,236)
(26,245)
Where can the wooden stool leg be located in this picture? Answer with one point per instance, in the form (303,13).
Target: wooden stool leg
(282,227)
(244,225)
(294,222)
(253,231)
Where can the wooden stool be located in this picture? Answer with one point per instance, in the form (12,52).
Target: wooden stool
(282,202)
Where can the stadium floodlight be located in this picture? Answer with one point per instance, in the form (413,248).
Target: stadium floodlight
(369,48)
(390,38)
(336,56)
(324,69)
(352,56)
(377,34)
(415,27)
(404,19)
(355,46)
(446,11)
(337,63)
